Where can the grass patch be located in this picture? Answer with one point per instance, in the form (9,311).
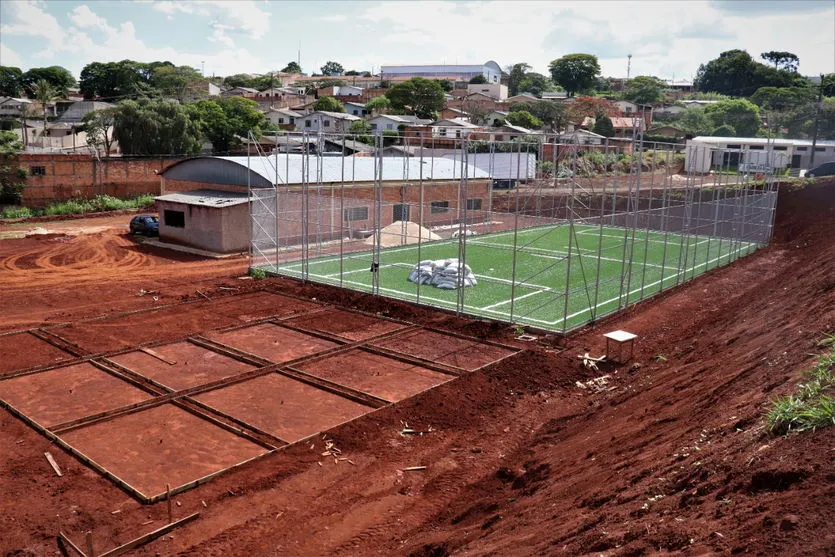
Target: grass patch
(257,273)
(813,405)
(98,204)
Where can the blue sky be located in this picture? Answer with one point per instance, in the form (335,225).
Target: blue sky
(666,38)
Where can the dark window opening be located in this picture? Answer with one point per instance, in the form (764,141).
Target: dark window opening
(439,207)
(176,219)
(474,204)
(37,171)
(355,213)
(820,149)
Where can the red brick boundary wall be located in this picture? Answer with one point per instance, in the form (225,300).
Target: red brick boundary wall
(56,177)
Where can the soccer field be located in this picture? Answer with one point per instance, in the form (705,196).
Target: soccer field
(558,277)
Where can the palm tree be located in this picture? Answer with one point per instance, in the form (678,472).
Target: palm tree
(44,92)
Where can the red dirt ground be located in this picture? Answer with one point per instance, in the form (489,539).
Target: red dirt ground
(674,459)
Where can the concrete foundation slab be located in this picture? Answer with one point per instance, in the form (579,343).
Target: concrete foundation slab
(380,376)
(346,324)
(445,349)
(284,407)
(273,342)
(25,350)
(68,393)
(163,444)
(193,366)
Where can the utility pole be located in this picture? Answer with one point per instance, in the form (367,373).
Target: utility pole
(817,118)
(628,65)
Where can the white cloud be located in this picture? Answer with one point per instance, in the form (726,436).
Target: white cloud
(10,57)
(85,18)
(664,38)
(244,16)
(334,17)
(92,38)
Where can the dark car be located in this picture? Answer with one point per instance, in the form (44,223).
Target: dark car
(826,169)
(144,224)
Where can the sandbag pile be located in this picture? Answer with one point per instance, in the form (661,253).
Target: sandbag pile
(442,273)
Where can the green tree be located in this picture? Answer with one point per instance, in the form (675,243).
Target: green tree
(225,121)
(379,105)
(332,68)
(735,73)
(741,114)
(644,89)
(292,67)
(114,81)
(694,121)
(516,75)
(552,114)
(575,72)
(155,127)
(44,92)
(98,125)
(12,178)
(525,119)
(535,83)
(782,60)
(328,104)
(725,130)
(424,97)
(11,84)
(603,126)
(478,79)
(828,84)
(175,81)
(446,84)
(59,77)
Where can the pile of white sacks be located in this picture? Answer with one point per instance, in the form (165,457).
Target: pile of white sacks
(442,273)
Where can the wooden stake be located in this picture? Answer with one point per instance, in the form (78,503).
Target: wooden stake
(67,542)
(150,536)
(414,468)
(53,463)
(168,497)
(90,551)
(157,355)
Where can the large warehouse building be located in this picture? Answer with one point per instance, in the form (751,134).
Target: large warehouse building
(491,71)
(205,201)
(733,151)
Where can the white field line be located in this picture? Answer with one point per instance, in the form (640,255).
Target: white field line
(644,287)
(497,304)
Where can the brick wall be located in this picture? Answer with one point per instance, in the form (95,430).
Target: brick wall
(58,177)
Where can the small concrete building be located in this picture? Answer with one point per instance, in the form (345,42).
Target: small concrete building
(211,220)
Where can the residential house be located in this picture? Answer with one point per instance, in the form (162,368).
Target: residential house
(324,121)
(246,92)
(495,91)
(667,130)
(672,110)
(10,107)
(356,109)
(554,95)
(78,110)
(505,132)
(450,112)
(284,118)
(521,98)
(392,122)
(453,128)
(625,127)
(496,117)
(580,137)
(202,90)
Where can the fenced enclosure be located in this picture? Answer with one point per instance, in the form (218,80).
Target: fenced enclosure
(542,234)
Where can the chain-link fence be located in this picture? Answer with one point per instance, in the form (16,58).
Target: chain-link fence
(526,231)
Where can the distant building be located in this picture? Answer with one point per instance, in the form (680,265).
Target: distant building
(491,71)
(78,110)
(327,122)
(495,91)
(732,151)
(391,122)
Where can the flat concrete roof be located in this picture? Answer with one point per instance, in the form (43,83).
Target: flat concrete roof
(206,198)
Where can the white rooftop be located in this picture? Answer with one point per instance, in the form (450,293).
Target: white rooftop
(760,141)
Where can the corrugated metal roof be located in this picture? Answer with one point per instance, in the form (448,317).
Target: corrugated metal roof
(206,198)
(299,169)
(501,166)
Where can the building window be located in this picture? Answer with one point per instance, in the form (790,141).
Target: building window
(389,126)
(820,149)
(628,109)
(437,207)
(803,149)
(457,133)
(307,123)
(176,219)
(373,126)
(355,213)
(281,120)
(474,204)
(781,148)
(327,123)
(37,171)
(756,148)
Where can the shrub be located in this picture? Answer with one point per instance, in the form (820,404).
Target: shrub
(16,213)
(257,273)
